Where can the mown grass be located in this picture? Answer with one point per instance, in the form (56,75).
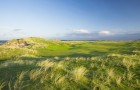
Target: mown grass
(70,65)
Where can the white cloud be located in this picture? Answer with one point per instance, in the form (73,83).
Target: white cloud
(105,33)
(82,31)
(9,33)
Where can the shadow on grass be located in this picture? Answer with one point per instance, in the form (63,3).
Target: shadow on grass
(7,73)
(98,53)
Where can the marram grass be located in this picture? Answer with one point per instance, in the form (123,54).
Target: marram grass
(70,65)
(73,74)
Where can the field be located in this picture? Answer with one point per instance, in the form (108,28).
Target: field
(39,64)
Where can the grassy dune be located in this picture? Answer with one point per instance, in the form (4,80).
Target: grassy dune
(39,64)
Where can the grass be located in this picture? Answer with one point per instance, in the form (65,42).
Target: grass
(70,65)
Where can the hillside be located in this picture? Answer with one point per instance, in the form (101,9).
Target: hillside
(34,46)
(40,64)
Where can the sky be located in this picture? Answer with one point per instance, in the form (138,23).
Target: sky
(70,19)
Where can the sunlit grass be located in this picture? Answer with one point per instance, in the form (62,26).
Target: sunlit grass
(74,74)
(74,65)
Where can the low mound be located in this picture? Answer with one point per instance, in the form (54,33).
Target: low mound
(31,42)
(17,43)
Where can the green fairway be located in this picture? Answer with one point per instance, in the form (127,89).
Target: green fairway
(39,64)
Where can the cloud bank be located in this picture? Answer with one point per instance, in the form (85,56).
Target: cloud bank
(78,34)
(84,34)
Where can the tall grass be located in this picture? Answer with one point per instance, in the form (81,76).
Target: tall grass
(2,85)
(74,74)
(100,65)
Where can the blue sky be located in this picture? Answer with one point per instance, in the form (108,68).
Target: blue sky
(70,19)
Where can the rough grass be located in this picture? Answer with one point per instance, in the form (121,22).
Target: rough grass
(71,74)
(71,65)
